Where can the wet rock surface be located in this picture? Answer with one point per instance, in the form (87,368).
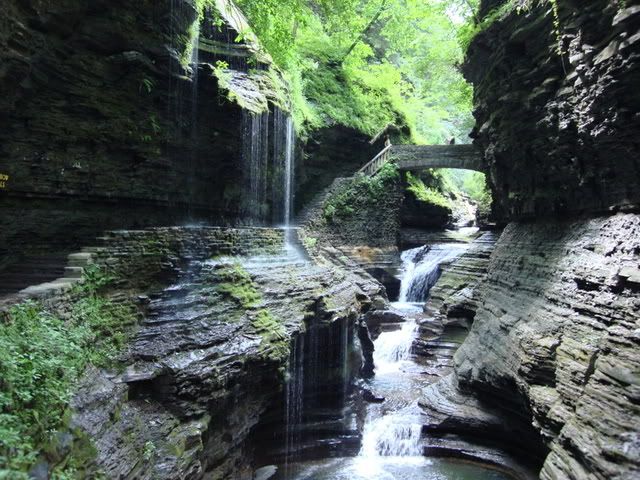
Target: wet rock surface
(219,312)
(554,346)
(105,125)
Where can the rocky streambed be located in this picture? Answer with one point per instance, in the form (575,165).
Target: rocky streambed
(249,359)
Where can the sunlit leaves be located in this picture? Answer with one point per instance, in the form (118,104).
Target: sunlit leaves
(403,63)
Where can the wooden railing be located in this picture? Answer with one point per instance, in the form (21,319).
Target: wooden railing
(374,166)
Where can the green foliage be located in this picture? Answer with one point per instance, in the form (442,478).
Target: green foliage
(95,279)
(149,450)
(423,193)
(310,242)
(146,85)
(362,190)
(367,63)
(475,185)
(41,356)
(473,27)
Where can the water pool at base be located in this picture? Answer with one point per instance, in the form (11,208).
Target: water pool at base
(388,468)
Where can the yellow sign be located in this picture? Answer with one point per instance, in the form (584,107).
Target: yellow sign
(3,180)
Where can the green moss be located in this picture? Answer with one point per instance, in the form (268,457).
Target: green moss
(425,194)
(275,343)
(470,31)
(235,283)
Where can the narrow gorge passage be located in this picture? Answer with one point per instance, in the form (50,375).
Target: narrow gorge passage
(320,240)
(391,421)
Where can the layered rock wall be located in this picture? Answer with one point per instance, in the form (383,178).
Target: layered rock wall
(207,357)
(114,115)
(556,107)
(551,363)
(556,338)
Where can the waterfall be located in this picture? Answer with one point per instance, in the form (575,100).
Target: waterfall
(391,436)
(294,399)
(255,154)
(421,269)
(392,348)
(394,434)
(289,171)
(268,160)
(194,64)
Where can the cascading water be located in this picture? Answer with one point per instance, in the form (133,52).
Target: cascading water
(255,142)
(391,446)
(268,159)
(389,436)
(193,124)
(289,171)
(421,269)
(294,398)
(396,432)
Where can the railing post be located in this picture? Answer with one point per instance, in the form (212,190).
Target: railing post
(378,161)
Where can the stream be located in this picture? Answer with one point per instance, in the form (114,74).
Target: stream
(391,431)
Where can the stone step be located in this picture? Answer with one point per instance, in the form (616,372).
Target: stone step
(73,272)
(56,286)
(81,259)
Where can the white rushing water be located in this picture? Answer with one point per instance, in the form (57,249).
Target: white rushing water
(391,447)
(396,432)
(393,348)
(421,269)
(288,171)
(391,436)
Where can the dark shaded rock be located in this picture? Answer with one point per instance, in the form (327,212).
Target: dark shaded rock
(366,344)
(376,320)
(330,153)
(559,131)
(422,215)
(370,397)
(103,127)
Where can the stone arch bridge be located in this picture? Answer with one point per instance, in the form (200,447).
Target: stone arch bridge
(420,157)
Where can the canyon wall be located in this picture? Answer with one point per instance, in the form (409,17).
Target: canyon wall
(118,115)
(557,108)
(210,347)
(555,338)
(550,366)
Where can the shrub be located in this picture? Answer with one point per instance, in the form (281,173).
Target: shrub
(41,357)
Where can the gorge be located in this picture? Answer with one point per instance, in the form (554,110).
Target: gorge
(244,240)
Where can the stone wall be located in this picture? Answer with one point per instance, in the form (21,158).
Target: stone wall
(330,153)
(351,214)
(141,255)
(559,131)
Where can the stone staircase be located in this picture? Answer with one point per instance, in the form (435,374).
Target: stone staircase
(40,276)
(30,271)
(311,209)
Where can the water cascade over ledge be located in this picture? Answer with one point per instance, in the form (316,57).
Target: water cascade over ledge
(391,445)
